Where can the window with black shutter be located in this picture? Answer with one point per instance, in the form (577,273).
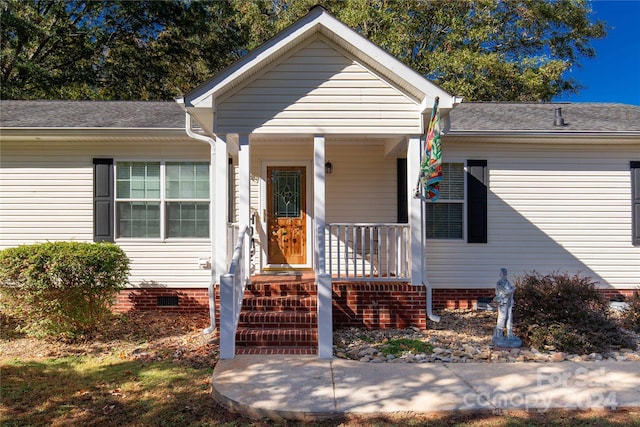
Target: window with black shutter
(103,199)
(635,203)
(477,201)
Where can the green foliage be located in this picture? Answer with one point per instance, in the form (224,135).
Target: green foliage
(119,49)
(484,50)
(144,50)
(565,313)
(62,287)
(398,346)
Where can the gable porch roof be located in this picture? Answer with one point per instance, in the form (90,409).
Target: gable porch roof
(201,101)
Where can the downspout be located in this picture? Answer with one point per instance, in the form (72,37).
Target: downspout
(425,281)
(423,244)
(212,283)
(430,315)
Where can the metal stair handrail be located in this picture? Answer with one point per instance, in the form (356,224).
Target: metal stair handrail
(232,287)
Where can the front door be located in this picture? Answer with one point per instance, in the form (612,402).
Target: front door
(286,216)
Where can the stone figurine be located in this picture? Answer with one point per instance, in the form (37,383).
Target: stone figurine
(504,300)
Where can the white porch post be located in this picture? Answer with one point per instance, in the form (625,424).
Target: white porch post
(219,185)
(415,210)
(318,201)
(325,318)
(244,190)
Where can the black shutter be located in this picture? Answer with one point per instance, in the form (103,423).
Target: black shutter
(635,203)
(403,200)
(103,199)
(476,201)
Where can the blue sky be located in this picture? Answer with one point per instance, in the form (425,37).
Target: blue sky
(614,74)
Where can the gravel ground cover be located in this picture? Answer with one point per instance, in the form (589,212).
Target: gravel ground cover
(461,336)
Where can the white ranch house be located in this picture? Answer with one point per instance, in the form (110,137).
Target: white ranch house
(312,144)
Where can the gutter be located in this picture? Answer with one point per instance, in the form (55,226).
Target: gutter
(212,283)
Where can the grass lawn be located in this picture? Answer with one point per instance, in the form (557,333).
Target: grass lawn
(155,370)
(104,390)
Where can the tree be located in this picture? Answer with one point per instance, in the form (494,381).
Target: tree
(47,48)
(516,50)
(161,49)
(483,50)
(112,49)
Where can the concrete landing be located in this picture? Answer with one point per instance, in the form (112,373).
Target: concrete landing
(302,387)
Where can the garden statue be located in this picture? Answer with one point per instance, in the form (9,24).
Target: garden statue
(504,299)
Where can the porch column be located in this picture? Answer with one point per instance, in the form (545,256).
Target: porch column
(415,210)
(318,201)
(219,185)
(325,319)
(244,191)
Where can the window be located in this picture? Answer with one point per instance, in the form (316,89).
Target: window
(162,200)
(444,218)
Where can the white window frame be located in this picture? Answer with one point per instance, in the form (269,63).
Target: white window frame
(163,200)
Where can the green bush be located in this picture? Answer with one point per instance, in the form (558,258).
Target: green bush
(564,313)
(62,288)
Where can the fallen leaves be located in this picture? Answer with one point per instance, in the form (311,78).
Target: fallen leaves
(146,336)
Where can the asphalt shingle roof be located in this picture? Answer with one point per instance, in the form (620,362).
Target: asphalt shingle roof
(91,114)
(466,117)
(578,117)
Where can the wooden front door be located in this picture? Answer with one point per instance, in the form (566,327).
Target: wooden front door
(286,215)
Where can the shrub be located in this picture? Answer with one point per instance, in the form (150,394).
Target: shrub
(62,287)
(565,313)
(630,318)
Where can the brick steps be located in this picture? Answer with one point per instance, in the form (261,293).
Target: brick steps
(282,319)
(280,303)
(277,337)
(276,350)
(278,318)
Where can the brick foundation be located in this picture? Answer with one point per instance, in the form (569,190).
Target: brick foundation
(189,300)
(615,294)
(458,298)
(384,305)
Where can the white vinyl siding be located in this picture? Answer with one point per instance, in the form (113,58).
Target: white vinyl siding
(363,185)
(318,89)
(361,188)
(550,208)
(46,194)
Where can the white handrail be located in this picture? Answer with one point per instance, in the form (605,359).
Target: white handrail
(372,252)
(232,286)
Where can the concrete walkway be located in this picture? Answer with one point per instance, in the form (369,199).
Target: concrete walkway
(307,388)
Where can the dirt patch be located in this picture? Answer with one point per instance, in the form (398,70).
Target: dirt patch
(148,335)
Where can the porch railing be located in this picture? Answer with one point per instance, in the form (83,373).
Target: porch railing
(232,286)
(372,252)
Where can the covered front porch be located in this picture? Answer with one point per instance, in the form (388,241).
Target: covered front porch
(315,150)
(291,203)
